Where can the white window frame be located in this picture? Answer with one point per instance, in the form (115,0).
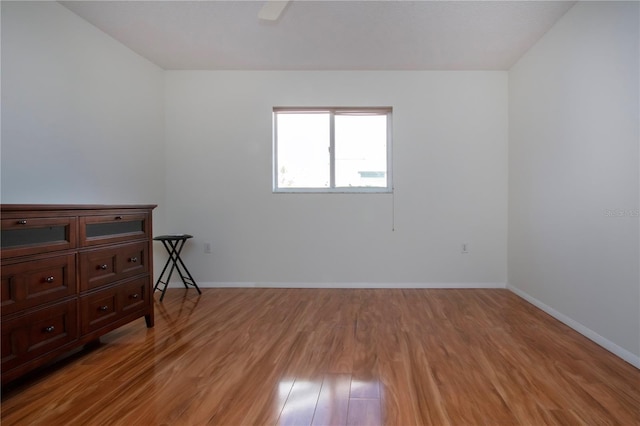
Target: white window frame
(332,111)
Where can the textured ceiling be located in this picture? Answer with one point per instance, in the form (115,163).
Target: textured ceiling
(326,35)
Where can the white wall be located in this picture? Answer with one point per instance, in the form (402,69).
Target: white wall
(573,174)
(450,136)
(82,116)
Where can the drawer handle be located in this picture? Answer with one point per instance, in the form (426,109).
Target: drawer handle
(103,267)
(22,222)
(49,329)
(49,279)
(134,296)
(103,308)
(118,217)
(133,259)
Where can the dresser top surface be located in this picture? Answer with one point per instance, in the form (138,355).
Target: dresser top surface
(72,207)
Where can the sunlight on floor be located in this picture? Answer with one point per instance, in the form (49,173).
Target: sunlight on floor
(336,399)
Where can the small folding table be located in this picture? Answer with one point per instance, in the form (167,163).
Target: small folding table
(174,244)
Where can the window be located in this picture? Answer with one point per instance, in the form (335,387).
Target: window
(332,149)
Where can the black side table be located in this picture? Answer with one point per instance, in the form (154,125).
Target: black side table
(174,244)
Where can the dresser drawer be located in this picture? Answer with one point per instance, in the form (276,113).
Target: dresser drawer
(29,284)
(135,295)
(113,228)
(104,266)
(38,332)
(102,308)
(98,309)
(23,236)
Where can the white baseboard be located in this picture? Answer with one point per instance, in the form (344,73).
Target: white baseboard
(587,332)
(339,285)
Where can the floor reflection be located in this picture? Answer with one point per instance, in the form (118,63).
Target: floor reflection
(336,399)
(173,319)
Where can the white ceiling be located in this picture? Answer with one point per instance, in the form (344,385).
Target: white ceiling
(326,35)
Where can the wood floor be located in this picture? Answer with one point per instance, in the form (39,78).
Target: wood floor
(335,357)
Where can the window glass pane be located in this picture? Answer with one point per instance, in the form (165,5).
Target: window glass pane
(303,150)
(361,150)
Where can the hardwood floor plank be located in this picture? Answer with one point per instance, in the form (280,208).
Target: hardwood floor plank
(301,404)
(369,389)
(364,412)
(334,357)
(333,401)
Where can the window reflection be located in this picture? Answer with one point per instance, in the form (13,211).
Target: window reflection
(335,399)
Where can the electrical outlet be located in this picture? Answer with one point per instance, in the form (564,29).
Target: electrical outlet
(207,247)
(465,248)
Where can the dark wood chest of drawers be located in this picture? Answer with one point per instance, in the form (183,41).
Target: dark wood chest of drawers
(70,273)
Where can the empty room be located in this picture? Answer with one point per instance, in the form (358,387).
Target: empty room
(310,212)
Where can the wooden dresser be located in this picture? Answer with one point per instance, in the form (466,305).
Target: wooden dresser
(70,273)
